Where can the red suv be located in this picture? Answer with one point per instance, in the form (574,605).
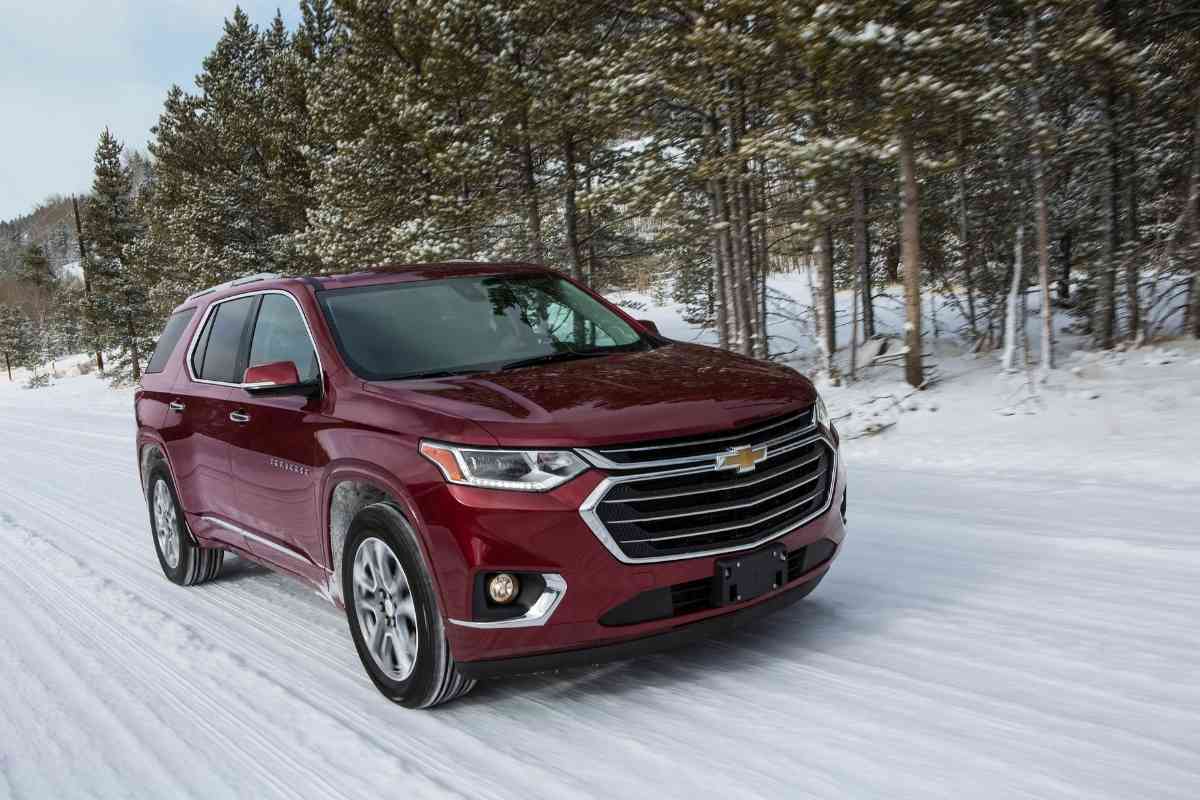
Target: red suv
(490,468)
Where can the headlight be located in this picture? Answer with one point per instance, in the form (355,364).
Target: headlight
(821,415)
(518,470)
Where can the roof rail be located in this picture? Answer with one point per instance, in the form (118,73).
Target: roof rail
(261,276)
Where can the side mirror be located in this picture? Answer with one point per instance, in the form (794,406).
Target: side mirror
(279,377)
(649,325)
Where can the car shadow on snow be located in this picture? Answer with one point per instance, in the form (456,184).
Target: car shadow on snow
(880,579)
(235,569)
(786,636)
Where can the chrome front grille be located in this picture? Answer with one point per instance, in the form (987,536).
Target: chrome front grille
(668,499)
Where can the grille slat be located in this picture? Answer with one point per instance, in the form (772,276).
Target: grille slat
(724,507)
(713,531)
(609,451)
(651,497)
(649,514)
(667,453)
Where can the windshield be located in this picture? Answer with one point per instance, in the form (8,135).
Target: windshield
(470,324)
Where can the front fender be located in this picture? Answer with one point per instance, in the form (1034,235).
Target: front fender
(350,485)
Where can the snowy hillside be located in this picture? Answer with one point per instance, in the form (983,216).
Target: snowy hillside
(1013,616)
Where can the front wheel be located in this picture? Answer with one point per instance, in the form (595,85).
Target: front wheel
(182,560)
(391,606)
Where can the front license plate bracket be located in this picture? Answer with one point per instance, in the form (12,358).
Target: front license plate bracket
(744,577)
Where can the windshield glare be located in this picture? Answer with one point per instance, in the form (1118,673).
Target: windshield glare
(468,324)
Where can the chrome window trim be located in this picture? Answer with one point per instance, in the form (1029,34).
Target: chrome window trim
(598,460)
(587,510)
(538,613)
(208,313)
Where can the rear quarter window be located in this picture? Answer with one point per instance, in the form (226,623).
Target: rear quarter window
(169,339)
(219,353)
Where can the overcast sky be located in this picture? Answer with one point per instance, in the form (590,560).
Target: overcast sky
(68,68)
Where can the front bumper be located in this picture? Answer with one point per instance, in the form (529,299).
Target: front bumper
(473,530)
(630,648)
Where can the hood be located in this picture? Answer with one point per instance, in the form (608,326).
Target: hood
(674,390)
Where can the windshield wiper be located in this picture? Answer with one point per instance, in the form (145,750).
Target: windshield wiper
(437,373)
(565,355)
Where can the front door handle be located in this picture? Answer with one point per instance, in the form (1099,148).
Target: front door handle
(176,406)
(240,417)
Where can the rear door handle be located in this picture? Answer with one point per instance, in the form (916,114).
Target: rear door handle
(176,406)
(239,417)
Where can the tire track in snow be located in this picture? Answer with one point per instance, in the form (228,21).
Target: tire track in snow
(119,552)
(173,687)
(978,636)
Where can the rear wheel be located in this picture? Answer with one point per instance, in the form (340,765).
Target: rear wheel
(392,609)
(182,560)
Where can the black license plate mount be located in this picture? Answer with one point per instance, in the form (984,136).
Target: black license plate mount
(744,577)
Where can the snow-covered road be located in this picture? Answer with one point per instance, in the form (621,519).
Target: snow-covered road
(1014,637)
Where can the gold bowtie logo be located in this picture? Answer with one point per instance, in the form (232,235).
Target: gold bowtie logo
(743,459)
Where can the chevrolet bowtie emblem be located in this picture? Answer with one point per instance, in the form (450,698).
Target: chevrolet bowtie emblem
(743,459)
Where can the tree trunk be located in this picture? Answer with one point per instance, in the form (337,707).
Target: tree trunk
(1191,321)
(891,263)
(8,366)
(591,229)
(964,234)
(764,261)
(827,317)
(752,271)
(533,211)
(1105,302)
(719,280)
(1012,306)
(1133,235)
(87,285)
(910,245)
(742,288)
(854,331)
(1191,316)
(135,358)
(1043,216)
(570,210)
(862,252)
(1064,268)
(728,259)
(738,126)
(1043,223)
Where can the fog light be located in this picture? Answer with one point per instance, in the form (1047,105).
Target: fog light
(503,588)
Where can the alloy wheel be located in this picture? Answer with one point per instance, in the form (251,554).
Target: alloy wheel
(385,608)
(166,524)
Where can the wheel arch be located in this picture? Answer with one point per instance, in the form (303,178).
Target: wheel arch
(152,452)
(349,487)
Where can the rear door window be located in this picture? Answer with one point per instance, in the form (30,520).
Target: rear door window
(219,354)
(169,339)
(280,335)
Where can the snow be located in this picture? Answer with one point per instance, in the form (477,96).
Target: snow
(70,270)
(1013,615)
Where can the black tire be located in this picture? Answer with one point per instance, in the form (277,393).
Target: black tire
(433,678)
(192,564)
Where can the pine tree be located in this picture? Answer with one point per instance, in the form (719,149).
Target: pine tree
(119,292)
(36,271)
(232,187)
(15,340)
